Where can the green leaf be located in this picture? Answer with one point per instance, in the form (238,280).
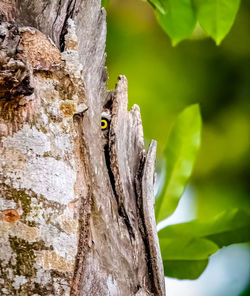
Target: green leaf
(186,247)
(184,269)
(185,257)
(217,16)
(180,153)
(158,4)
(179,20)
(227,228)
(231,237)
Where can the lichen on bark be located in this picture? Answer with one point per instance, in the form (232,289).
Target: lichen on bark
(76,204)
(38,167)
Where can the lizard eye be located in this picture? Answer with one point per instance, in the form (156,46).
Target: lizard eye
(104,123)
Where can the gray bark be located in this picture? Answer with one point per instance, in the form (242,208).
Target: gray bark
(77,203)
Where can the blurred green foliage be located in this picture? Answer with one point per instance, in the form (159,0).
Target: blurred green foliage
(164,80)
(186,247)
(180,153)
(179,17)
(216,17)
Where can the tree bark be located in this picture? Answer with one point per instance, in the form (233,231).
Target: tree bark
(76,202)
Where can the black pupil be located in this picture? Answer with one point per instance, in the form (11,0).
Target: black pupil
(103,122)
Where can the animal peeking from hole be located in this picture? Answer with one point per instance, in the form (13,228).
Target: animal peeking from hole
(105,124)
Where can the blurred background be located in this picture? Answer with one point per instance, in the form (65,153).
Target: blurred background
(163,80)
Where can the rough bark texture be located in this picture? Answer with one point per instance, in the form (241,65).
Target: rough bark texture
(77,213)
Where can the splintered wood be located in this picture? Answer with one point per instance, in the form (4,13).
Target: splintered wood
(76,204)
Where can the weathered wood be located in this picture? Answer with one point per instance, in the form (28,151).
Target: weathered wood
(76,203)
(149,220)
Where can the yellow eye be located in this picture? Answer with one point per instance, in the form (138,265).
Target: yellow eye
(104,124)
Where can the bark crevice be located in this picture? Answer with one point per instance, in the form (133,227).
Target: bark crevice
(69,14)
(102,240)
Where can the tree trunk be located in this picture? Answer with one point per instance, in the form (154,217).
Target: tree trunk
(76,201)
